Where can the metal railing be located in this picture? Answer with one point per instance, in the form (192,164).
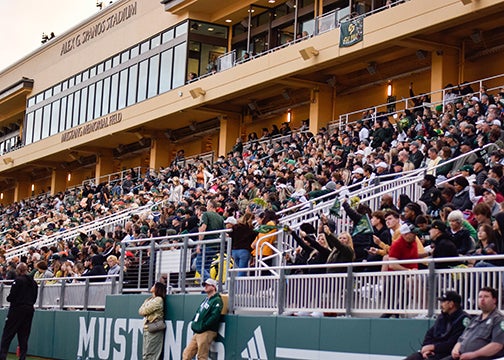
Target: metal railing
(190,160)
(114,177)
(69,293)
(107,223)
(351,292)
(385,109)
(323,23)
(174,260)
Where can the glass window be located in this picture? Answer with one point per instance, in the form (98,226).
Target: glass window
(57,89)
(116,61)
(31,101)
(46,121)
(85,75)
(106,96)
(37,125)
(99,68)
(64,85)
(132,84)
(142,80)
(39,98)
(144,47)
(90,102)
(98,99)
(155,41)
(69,114)
(181,29)
(167,36)
(55,118)
(179,63)
(78,79)
(76,109)
(108,64)
(125,56)
(134,51)
(71,82)
(48,93)
(153,76)
(165,75)
(29,128)
(63,114)
(83,105)
(123,88)
(114,86)
(92,71)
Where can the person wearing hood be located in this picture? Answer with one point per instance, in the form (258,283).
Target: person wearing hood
(443,245)
(461,201)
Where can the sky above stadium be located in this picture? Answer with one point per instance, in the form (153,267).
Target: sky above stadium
(22,23)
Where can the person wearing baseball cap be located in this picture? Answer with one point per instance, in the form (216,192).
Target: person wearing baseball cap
(404,248)
(443,335)
(205,323)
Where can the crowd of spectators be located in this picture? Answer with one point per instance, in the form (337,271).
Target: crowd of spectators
(259,178)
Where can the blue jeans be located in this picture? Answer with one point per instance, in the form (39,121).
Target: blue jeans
(241,259)
(203,267)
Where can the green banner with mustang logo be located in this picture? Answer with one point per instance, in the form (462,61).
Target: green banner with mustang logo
(351,32)
(117,333)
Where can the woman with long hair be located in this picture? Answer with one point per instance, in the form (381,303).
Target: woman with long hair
(267,221)
(152,310)
(486,245)
(242,236)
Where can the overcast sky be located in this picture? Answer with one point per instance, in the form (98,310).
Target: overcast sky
(22,23)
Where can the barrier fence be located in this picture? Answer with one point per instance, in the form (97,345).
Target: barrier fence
(69,293)
(354,292)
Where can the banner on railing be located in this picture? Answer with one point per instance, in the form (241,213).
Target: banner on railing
(351,32)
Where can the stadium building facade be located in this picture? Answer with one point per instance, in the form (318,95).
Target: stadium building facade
(113,92)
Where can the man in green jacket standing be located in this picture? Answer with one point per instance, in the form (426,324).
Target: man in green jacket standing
(205,323)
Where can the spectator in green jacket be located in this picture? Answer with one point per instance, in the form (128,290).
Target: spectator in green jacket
(205,323)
